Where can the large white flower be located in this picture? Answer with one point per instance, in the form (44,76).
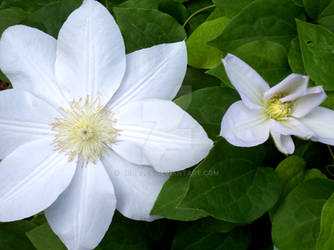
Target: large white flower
(288,108)
(87,128)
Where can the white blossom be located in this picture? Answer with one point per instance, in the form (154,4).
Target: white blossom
(81,117)
(288,108)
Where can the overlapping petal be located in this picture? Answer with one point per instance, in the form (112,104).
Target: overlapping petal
(245,127)
(31,179)
(160,134)
(312,98)
(321,121)
(291,126)
(249,84)
(291,87)
(136,186)
(23,118)
(27,57)
(90,54)
(82,214)
(155,72)
(284,143)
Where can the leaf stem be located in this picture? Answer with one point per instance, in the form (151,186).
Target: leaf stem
(197,12)
(330,151)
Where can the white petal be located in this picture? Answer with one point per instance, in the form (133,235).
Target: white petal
(321,122)
(246,80)
(136,187)
(244,127)
(284,143)
(155,72)
(293,86)
(23,118)
(291,126)
(312,98)
(160,134)
(31,179)
(82,214)
(90,53)
(27,57)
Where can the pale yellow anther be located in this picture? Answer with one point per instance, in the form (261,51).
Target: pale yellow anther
(85,132)
(278,110)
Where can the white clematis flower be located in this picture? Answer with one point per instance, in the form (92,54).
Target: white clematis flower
(288,108)
(87,129)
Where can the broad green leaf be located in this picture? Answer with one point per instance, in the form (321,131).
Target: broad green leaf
(142,28)
(208,106)
(128,234)
(51,17)
(26,5)
(321,11)
(326,18)
(268,58)
(231,8)
(197,79)
(146,4)
(188,237)
(298,3)
(200,55)
(325,240)
(210,224)
(239,192)
(270,20)
(291,171)
(329,102)
(296,223)
(317,47)
(10,16)
(295,57)
(171,194)
(201,11)
(314,173)
(42,237)
(12,235)
(175,9)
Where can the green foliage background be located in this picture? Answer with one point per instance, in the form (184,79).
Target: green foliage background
(237,198)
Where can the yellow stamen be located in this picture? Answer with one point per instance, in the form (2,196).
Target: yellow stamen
(85,132)
(278,110)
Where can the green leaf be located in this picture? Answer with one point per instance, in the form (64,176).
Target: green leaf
(326,238)
(197,79)
(128,234)
(296,223)
(143,28)
(270,20)
(329,102)
(211,225)
(171,194)
(291,171)
(188,237)
(146,4)
(175,9)
(200,55)
(42,237)
(51,17)
(208,106)
(26,5)
(239,192)
(231,8)
(317,46)
(314,173)
(295,58)
(268,58)
(9,17)
(12,235)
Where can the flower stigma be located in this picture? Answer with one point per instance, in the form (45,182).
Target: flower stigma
(278,110)
(85,132)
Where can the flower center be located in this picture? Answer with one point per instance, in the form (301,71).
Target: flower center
(85,132)
(278,110)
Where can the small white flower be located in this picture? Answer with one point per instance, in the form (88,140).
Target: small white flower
(87,129)
(288,108)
